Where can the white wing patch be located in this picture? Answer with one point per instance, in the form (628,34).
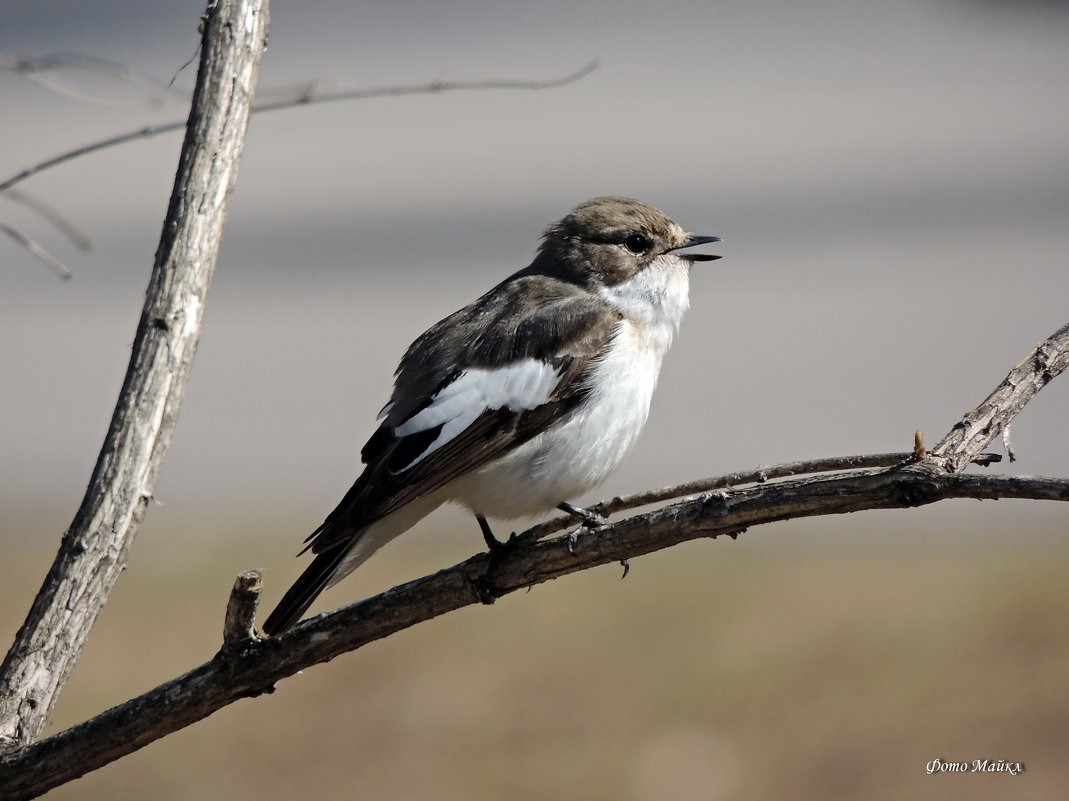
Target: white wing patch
(521,386)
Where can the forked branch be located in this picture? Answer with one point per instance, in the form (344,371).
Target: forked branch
(248,666)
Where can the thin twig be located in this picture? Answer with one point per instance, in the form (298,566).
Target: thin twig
(434,87)
(42,70)
(755,475)
(76,235)
(38,252)
(304,100)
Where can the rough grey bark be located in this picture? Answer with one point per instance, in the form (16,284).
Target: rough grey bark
(93,550)
(992,417)
(248,666)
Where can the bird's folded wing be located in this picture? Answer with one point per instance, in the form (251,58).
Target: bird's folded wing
(474,416)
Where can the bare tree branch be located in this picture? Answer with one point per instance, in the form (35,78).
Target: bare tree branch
(65,226)
(93,550)
(246,669)
(251,666)
(977,428)
(305,99)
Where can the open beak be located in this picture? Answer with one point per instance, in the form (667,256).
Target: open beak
(695,239)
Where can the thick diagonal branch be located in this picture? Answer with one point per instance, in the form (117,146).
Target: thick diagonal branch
(252,667)
(93,550)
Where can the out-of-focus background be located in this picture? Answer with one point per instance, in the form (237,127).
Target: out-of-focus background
(892,184)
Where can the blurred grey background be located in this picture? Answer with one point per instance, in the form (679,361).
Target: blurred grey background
(891,181)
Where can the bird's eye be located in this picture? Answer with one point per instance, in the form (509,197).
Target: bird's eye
(637,243)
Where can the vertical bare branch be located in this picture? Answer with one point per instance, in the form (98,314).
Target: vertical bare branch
(93,550)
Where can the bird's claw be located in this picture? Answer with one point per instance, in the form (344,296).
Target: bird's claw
(499,548)
(591,519)
(495,546)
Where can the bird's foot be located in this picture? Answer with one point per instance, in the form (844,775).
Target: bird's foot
(590,519)
(497,549)
(495,546)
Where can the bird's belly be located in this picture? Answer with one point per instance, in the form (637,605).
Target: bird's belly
(578,453)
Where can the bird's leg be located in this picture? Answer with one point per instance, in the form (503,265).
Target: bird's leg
(590,519)
(483,586)
(493,544)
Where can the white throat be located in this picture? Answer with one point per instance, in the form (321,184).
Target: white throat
(654,299)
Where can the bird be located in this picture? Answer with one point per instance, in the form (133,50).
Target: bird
(522,400)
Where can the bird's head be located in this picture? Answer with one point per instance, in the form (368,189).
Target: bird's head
(609,240)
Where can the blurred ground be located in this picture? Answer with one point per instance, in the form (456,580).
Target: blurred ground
(794,663)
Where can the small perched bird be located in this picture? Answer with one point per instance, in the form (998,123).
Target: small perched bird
(523,399)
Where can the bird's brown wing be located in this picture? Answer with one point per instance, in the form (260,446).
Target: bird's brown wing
(403,465)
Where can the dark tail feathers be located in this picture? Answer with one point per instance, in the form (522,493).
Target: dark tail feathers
(304,591)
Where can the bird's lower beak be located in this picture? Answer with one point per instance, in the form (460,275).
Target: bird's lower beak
(695,239)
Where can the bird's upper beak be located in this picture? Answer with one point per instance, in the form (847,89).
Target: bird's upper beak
(695,239)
